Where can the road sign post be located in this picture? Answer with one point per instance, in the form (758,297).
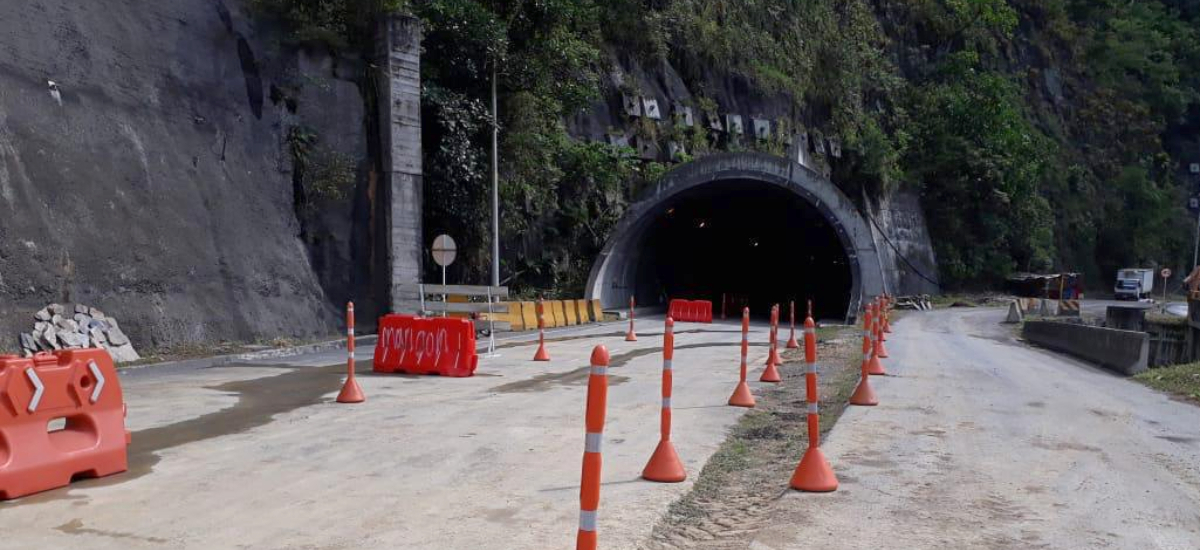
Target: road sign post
(444,251)
(1166,274)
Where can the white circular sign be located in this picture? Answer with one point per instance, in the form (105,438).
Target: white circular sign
(444,250)
(1166,273)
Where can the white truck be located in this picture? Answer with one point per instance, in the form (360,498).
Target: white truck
(1134,283)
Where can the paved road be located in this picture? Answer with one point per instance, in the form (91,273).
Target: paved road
(981,442)
(256,455)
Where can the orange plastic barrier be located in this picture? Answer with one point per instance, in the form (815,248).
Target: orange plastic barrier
(426,345)
(691,311)
(80,386)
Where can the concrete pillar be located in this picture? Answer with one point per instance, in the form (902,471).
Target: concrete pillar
(399,59)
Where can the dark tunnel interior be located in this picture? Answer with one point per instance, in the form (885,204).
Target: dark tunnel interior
(753,242)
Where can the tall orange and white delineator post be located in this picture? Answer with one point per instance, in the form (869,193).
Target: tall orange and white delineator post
(875,366)
(351,391)
(887,318)
(771,373)
(791,343)
(541,354)
(881,314)
(631,336)
(863,394)
(664,465)
(741,394)
(813,474)
(589,486)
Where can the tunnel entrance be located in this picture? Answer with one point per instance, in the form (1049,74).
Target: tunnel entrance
(750,243)
(758,228)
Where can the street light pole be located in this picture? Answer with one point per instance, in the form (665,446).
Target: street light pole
(495,184)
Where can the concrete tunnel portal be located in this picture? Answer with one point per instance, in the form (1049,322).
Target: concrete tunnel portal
(756,228)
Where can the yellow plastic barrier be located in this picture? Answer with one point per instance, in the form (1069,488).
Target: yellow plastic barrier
(529,315)
(553,316)
(597,311)
(510,320)
(514,316)
(458,299)
(572,315)
(561,312)
(582,307)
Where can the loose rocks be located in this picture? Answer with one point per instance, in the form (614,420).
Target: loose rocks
(58,327)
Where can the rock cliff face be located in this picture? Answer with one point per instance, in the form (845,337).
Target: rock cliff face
(170,164)
(145,169)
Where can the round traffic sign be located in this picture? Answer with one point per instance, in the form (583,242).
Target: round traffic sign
(444,250)
(1166,273)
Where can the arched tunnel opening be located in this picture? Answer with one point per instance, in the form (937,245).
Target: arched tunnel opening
(748,242)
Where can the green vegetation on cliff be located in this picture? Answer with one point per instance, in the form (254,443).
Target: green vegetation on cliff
(1041,134)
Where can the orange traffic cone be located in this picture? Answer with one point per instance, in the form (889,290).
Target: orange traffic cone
(742,397)
(863,394)
(664,465)
(542,354)
(351,391)
(631,336)
(814,474)
(770,374)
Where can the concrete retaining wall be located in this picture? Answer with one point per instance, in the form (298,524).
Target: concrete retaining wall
(1123,351)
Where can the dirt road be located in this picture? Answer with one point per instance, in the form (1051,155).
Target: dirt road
(981,442)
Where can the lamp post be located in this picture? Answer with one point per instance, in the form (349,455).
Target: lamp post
(495,184)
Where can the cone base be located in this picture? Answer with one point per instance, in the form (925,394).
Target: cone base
(875,368)
(742,397)
(631,337)
(863,395)
(881,351)
(664,465)
(351,392)
(814,474)
(793,344)
(771,374)
(542,354)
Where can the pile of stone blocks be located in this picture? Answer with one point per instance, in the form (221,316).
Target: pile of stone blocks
(59,327)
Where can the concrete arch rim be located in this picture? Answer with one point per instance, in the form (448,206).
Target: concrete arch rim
(617,261)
